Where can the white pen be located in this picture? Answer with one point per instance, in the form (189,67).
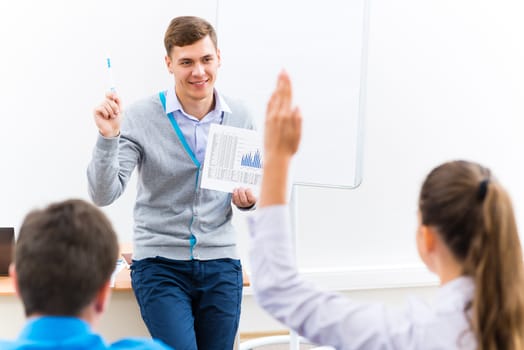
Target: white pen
(112,85)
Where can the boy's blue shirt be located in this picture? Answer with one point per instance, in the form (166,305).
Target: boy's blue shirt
(57,333)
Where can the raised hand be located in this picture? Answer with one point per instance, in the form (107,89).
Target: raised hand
(283,127)
(108,115)
(283,130)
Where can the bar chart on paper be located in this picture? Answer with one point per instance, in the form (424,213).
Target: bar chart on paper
(233,159)
(252,160)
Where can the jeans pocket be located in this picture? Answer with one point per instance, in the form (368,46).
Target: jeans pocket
(235,263)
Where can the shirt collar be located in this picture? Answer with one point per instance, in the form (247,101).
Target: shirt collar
(173,104)
(49,328)
(455,294)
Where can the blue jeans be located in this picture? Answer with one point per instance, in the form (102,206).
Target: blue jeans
(192,304)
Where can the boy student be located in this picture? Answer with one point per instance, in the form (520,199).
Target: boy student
(466,234)
(186,274)
(64,257)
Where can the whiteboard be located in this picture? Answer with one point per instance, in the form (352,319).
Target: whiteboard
(323,46)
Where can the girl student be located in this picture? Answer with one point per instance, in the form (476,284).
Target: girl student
(466,235)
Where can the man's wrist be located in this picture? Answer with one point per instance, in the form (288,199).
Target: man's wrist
(110,135)
(250,208)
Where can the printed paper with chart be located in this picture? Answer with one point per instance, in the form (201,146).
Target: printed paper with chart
(233,159)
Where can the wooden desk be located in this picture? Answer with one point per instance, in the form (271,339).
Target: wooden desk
(6,286)
(122,282)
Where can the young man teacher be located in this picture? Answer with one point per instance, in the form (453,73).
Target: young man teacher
(186,274)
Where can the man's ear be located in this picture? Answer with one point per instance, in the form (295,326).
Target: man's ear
(169,64)
(14,277)
(218,57)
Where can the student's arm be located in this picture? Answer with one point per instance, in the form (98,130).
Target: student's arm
(283,129)
(323,317)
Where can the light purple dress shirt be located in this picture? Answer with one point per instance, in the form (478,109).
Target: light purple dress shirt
(329,318)
(195,131)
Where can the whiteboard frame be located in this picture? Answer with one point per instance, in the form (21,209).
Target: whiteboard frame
(359,159)
(360,131)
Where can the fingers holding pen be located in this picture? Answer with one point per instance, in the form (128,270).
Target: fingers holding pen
(109,108)
(113,103)
(104,111)
(113,96)
(107,115)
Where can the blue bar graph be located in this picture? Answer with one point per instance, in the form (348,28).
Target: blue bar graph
(252,160)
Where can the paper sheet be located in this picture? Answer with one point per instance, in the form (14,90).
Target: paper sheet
(233,159)
(120,265)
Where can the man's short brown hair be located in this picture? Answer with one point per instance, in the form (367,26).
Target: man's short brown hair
(64,254)
(186,30)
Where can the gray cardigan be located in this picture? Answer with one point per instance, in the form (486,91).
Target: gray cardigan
(174,218)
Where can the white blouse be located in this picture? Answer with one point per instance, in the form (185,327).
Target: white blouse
(328,318)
